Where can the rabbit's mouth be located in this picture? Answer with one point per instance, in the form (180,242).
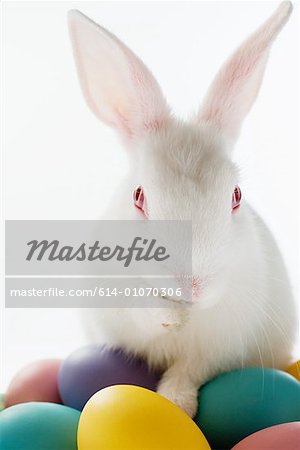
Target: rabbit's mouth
(171,326)
(176,301)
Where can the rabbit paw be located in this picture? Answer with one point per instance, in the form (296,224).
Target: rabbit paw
(186,399)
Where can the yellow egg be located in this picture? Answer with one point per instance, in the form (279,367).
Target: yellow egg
(125,417)
(294,370)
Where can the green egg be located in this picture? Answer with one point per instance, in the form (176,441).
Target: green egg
(1,402)
(239,403)
(38,426)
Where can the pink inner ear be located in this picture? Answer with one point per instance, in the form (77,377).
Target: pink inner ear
(118,87)
(235,87)
(124,123)
(234,92)
(153,126)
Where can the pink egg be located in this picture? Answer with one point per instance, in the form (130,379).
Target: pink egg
(36,382)
(279,437)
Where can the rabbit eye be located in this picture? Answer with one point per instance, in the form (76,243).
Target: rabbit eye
(236,198)
(139,199)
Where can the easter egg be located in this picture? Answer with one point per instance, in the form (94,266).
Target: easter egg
(239,403)
(294,370)
(39,426)
(36,382)
(1,402)
(92,368)
(127,417)
(279,437)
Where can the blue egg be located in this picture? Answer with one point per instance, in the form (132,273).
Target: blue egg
(39,426)
(237,404)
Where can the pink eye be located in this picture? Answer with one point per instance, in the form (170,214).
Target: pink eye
(236,198)
(139,199)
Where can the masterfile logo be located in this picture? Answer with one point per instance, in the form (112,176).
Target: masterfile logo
(98,263)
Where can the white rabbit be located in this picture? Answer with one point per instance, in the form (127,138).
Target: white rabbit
(243,313)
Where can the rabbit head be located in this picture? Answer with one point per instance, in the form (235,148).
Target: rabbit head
(183,169)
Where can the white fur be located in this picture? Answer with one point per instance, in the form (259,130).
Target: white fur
(245,315)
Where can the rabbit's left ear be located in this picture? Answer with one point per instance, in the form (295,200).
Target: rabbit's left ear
(117,86)
(235,87)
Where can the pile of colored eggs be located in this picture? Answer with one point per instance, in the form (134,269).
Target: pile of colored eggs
(100,399)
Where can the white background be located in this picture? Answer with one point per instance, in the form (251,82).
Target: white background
(61,163)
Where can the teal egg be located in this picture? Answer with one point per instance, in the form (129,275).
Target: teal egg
(38,426)
(239,403)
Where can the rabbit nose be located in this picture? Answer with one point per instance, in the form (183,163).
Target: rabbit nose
(190,286)
(196,290)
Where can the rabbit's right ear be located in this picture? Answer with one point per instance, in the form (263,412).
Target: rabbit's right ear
(235,87)
(117,86)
